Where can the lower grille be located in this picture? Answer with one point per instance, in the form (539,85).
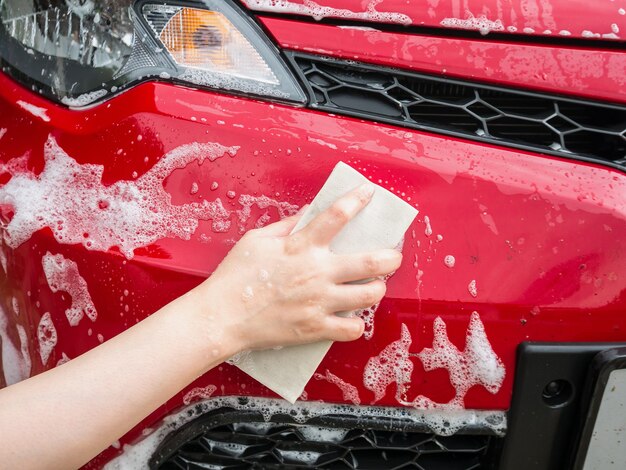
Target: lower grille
(532,121)
(231,439)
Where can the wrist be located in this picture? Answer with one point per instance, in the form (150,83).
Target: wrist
(216,328)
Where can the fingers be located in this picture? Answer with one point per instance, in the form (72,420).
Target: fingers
(355,267)
(283,227)
(344,329)
(329,223)
(346,297)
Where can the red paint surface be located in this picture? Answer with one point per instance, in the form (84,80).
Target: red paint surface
(599,19)
(595,74)
(544,238)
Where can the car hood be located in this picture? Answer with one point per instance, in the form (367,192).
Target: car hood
(545,18)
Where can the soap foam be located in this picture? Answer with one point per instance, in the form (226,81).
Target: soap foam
(285,209)
(84,99)
(71,200)
(201,393)
(393,364)
(472,289)
(16,363)
(318,12)
(349,391)
(47,336)
(477,364)
(36,111)
(137,456)
(367,315)
(62,275)
(480,23)
(449,261)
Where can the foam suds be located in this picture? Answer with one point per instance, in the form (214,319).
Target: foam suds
(310,8)
(478,364)
(314,433)
(2,132)
(428,231)
(199,393)
(393,364)
(36,111)
(449,261)
(47,336)
(63,360)
(308,457)
(70,198)
(62,275)
(285,209)
(479,23)
(16,363)
(349,391)
(84,99)
(472,289)
(367,315)
(137,456)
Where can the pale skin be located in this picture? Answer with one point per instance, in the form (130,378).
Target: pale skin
(272,289)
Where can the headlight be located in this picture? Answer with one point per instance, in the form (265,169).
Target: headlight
(78,51)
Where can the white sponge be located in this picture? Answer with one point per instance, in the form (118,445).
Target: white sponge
(381,224)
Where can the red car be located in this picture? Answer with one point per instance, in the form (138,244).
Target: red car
(140,139)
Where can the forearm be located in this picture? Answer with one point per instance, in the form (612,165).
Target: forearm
(69,414)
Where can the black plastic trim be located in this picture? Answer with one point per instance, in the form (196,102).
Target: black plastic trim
(182,444)
(543,435)
(364,105)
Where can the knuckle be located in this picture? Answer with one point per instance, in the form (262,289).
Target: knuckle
(372,264)
(338,213)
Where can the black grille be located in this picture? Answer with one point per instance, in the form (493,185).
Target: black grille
(531,121)
(229,439)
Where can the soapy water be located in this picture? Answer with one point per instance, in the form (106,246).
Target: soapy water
(349,391)
(449,261)
(477,364)
(36,111)
(480,23)
(318,12)
(367,315)
(472,289)
(16,362)
(71,200)
(392,364)
(62,275)
(84,99)
(199,393)
(441,422)
(47,336)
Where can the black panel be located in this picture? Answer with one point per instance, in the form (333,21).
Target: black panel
(555,125)
(548,407)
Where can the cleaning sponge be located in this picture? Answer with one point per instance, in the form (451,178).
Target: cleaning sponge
(381,224)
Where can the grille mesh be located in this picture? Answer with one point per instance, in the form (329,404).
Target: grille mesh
(230,440)
(532,121)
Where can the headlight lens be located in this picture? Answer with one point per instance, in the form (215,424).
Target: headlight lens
(78,51)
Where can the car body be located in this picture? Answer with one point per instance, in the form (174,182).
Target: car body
(503,123)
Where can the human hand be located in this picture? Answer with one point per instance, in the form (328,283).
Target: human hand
(277,289)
